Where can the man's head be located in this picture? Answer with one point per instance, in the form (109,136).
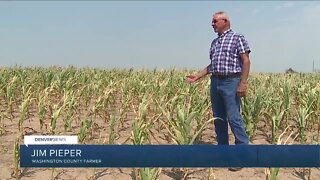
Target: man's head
(220,22)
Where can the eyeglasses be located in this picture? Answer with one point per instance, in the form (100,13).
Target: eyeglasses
(216,20)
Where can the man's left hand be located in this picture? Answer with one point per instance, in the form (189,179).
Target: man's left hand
(242,89)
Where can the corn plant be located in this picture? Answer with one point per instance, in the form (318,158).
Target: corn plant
(24,110)
(87,94)
(287,95)
(126,100)
(70,105)
(16,173)
(56,114)
(251,110)
(276,116)
(2,129)
(41,109)
(85,129)
(10,96)
(3,116)
(180,129)
(149,173)
(112,135)
(201,106)
(102,104)
(140,135)
(272,173)
(303,115)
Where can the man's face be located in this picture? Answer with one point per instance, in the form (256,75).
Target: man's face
(218,24)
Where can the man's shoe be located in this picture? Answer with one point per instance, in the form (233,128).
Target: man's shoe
(235,169)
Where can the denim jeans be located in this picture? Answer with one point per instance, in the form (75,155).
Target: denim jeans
(226,107)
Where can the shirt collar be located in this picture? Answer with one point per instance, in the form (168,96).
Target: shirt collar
(226,32)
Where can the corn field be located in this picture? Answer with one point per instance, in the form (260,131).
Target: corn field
(127,106)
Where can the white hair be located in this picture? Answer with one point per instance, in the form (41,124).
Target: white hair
(223,15)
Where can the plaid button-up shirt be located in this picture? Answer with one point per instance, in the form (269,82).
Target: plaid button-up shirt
(225,53)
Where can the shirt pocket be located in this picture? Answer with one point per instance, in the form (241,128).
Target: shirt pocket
(230,52)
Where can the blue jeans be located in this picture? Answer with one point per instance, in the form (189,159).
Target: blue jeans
(226,107)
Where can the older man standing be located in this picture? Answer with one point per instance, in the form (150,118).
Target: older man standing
(229,69)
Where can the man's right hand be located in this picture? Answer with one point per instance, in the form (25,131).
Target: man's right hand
(191,78)
(199,75)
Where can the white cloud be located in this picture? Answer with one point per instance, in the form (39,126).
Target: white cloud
(284,5)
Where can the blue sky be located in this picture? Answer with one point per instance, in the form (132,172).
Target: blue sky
(155,34)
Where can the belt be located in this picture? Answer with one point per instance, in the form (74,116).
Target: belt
(225,76)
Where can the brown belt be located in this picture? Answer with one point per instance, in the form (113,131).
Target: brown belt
(225,76)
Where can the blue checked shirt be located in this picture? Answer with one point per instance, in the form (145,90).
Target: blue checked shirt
(225,53)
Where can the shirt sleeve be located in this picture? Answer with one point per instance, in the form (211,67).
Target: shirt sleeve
(210,69)
(243,46)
